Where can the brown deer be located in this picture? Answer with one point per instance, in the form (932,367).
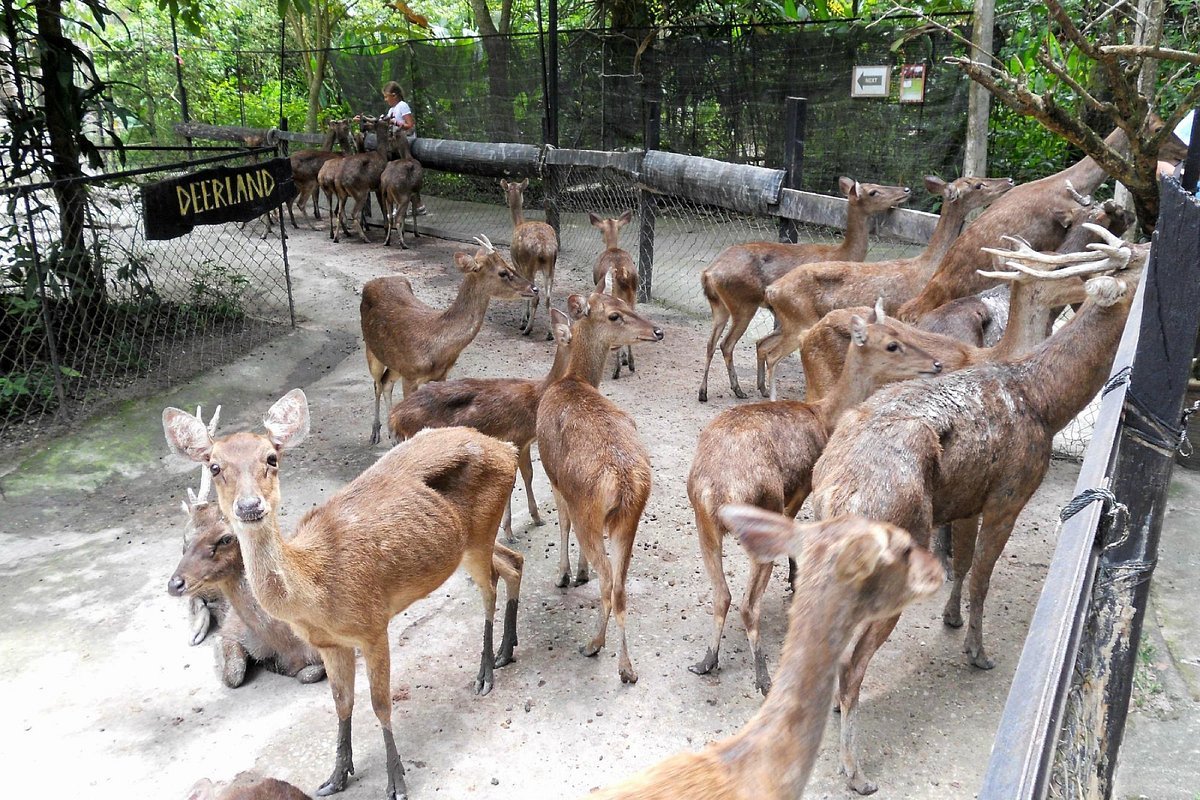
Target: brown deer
(1032,211)
(850,571)
(807,293)
(401,179)
(414,343)
(598,467)
(762,454)
(976,442)
(212,563)
(504,408)
(306,164)
(358,175)
(735,284)
(615,273)
(385,540)
(246,786)
(534,250)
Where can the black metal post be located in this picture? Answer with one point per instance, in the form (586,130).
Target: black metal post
(550,122)
(1142,472)
(646,209)
(795,113)
(183,103)
(1191,165)
(282,45)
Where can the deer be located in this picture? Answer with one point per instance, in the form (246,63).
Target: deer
(534,251)
(409,341)
(735,284)
(401,178)
(762,454)
(504,408)
(807,293)
(358,175)
(306,164)
(212,563)
(615,273)
(1031,211)
(977,442)
(851,571)
(598,467)
(385,540)
(245,786)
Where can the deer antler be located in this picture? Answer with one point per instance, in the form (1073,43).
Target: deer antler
(200,497)
(1113,254)
(1083,200)
(880,315)
(483,241)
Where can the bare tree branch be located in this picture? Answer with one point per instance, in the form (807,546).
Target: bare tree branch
(1145,51)
(1043,57)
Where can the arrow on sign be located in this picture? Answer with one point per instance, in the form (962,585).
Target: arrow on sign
(865,80)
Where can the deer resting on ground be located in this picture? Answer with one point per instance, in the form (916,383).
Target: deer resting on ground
(975,442)
(762,454)
(735,284)
(598,467)
(850,571)
(385,540)
(411,342)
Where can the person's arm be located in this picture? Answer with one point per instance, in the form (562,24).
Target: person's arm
(408,123)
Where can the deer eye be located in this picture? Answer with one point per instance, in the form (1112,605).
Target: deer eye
(614,316)
(504,274)
(979,186)
(893,347)
(215,469)
(226,540)
(272,460)
(874,192)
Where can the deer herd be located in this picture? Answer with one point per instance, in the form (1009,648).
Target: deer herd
(910,422)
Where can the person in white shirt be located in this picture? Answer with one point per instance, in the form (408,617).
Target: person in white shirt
(400,113)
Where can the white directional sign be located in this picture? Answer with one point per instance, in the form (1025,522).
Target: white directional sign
(871,82)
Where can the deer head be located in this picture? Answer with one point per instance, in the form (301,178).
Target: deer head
(872,197)
(610,320)
(496,274)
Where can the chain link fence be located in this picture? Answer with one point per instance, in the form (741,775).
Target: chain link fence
(90,310)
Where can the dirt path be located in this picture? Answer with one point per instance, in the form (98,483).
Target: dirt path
(104,697)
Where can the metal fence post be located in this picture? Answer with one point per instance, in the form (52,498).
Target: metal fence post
(646,210)
(550,88)
(795,112)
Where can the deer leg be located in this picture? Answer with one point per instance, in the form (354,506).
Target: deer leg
(339,665)
(785,346)
(849,686)
(202,620)
(291,214)
(963,533)
(761,349)
(720,318)
(509,564)
(622,545)
(591,542)
(548,293)
(525,464)
(741,321)
(760,575)
(711,540)
(564,531)
(360,216)
(234,661)
(379,675)
(479,563)
(993,536)
(629,356)
(791,510)
(378,372)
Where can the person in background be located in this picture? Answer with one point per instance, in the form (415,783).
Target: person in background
(1183,132)
(400,113)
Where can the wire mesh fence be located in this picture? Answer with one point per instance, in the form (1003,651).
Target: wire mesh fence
(92,310)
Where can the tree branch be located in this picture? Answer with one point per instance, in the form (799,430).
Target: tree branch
(1147,51)
(1043,57)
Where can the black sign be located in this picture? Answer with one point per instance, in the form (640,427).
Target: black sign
(215,196)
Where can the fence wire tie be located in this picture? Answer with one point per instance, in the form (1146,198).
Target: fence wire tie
(1113,510)
(1185,444)
(1152,429)
(1118,379)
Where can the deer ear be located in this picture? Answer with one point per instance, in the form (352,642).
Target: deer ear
(858,190)
(765,534)
(560,325)
(1064,217)
(858,330)
(626,217)
(846,185)
(934,184)
(465,263)
(504,184)
(577,306)
(861,554)
(592,218)
(186,435)
(524,184)
(878,310)
(950,192)
(287,420)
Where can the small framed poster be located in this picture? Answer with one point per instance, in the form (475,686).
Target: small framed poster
(912,83)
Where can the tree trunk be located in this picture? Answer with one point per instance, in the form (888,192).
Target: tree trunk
(975,160)
(315,82)
(64,118)
(502,124)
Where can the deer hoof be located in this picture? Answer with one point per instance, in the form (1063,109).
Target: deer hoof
(862,785)
(739,393)
(564,580)
(980,660)
(703,396)
(952,619)
(590,649)
(311,674)
(582,578)
(337,782)
(705,665)
(628,675)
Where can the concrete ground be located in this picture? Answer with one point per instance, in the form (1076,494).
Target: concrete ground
(104,697)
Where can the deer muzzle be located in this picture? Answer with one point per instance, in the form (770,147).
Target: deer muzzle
(656,335)
(176,586)
(250,509)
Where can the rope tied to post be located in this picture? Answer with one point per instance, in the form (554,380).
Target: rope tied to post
(1185,444)
(1114,510)
(1118,379)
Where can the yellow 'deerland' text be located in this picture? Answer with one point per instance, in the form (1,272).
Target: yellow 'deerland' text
(216,193)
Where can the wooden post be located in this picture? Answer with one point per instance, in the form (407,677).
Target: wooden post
(646,210)
(1099,698)
(795,112)
(975,159)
